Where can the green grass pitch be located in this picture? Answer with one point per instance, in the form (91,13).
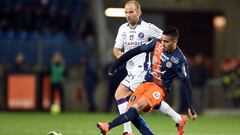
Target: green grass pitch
(85,124)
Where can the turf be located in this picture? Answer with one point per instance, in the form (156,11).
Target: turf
(85,124)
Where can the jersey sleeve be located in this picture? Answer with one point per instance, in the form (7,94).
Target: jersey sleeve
(154,31)
(119,38)
(183,74)
(182,70)
(148,47)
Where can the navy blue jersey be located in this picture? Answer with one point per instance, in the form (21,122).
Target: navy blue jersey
(170,66)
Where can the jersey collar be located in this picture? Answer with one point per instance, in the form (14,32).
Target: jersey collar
(138,23)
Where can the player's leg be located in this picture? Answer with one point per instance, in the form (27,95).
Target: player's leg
(132,113)
(179,119)
(62,98)
(141,125)
(120,95)
(168,111)
(125,89)
(52,94)
(153,95)
(139,122)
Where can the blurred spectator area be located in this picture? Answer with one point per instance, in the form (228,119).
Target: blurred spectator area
(34,45)
(38,28)
(31,15)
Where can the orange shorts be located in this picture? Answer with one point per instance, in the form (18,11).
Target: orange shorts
(151,92)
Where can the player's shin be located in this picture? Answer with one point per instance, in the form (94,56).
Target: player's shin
(122,107)
(167,110)
(128,116)
(141,125)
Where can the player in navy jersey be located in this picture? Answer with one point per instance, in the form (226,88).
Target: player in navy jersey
(136,32)
(168,62)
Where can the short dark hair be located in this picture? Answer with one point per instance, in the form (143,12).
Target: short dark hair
(171,31)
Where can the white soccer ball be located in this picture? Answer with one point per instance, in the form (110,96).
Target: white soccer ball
(54,133)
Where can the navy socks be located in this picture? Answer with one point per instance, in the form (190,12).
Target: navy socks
(128,116)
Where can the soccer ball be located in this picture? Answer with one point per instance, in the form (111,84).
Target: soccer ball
(54,133)
(55,109)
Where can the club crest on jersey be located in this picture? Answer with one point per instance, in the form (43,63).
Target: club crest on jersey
(124,35)
(156,95)
(168,64)
(140,35)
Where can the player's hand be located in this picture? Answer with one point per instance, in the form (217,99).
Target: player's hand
(120,53)
(192,114)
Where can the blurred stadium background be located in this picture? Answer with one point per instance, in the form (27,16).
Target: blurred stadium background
(80,30)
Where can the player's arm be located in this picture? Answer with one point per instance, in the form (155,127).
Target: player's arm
(188,92)
(119,43)
(183,73)
(117,52)
(131,53)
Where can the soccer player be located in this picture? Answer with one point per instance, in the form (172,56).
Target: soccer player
(136,32)
(168,62)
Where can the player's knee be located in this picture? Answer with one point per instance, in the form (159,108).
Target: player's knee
(122,93)
(118,95)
